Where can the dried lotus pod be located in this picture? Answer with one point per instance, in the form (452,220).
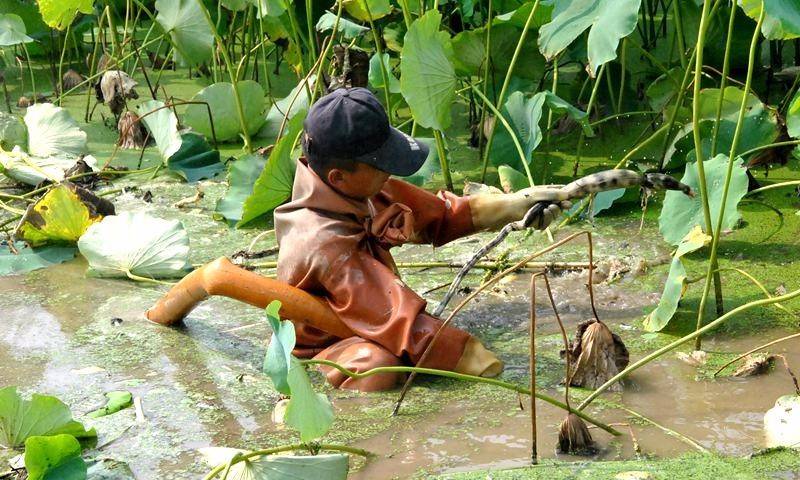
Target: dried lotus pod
(70,80)
(132,133)
(574,437)
(755,365)
(596,355)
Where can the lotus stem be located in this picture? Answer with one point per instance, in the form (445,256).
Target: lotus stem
(726,67)
(532,337)
(379,49)
(581,136)
(445,164)
(766,147)
(792,183)
(692,443)
(717,232)
(487,62)
(60,78)
(760,347)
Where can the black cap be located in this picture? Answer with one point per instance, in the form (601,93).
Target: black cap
(351,123)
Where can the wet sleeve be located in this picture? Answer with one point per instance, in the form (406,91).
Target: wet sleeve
(438,218)
(376,305)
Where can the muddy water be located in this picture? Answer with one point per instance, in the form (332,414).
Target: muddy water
(200,383)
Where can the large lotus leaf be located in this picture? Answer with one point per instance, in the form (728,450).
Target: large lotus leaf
(13,131)
(116,401)
(681,213)
(274,185)
(793,117)
(518,17)
(26,259)
(287,107)
(187,27)
(137,244)
(429,168)
(279,353)
(308,412)
(471,48)
(60,13)
(195,159)
(524,115)
(12,30)
(279,467)
(163,126)
(376,75)
(363,10)
(23,168)
(269,8)
(221,99)
(781,19)
(347,28)
(609,22)
(56,457)
(52,131)
(675,286)
(242,175)
(42,415)
(62,215)
(428,80)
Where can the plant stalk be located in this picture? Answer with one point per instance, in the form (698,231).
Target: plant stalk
(726,66)
(443,161)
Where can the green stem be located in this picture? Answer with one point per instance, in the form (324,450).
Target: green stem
(437,135)
(384,73)
(323,57)
(679,33)
(487,61)
(407,13)
(60,79)
(237,98)
(771,145)
(312,45)
(677,343)
(296,38)
(624,58)
(774,185)
(509,74)
(726,66)
(582,136)
(717,232)
(30,70)
(467,378)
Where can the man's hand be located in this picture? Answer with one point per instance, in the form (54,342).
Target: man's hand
(493,211)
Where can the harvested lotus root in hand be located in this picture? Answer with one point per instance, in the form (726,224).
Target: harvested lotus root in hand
(596,355)
(574,437)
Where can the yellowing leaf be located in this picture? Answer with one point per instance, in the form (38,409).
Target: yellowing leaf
(60,13)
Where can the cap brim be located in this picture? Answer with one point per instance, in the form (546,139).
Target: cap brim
(400,155)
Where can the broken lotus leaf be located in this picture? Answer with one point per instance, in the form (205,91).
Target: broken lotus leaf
(27,259)
(221,99)
(42,415)
(596,355)
(116,401)
(62,215)
(56,457)
(54,130)
(782,423)
(136,244)
(675,286)
(24,168)
(278,467)
(309,412)
(279,353)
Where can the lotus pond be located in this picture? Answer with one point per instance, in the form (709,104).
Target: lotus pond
(140,140)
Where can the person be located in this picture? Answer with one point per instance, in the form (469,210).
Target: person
(347,211)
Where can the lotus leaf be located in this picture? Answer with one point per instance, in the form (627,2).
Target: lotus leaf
(309,412)
(609,21)
(347,28)
(471,48)
(269,8)
(62,215)
(136,244)
(781,19)
(376,75)
(42,415)
(222,101)
(27,259)
(235,5)
(195,160)
(680,213)
(12,30)
(363,10)
(21,167)
(782,423)
(278,467)
(60,13)
(56,457)
(52,131)
(279,353)
(429,168)
(793,117)
(274,185)
(511,180)
(163,126)
(242,175)
(186,25)
(675,286)
(13,132)
(287,108)
(116,401)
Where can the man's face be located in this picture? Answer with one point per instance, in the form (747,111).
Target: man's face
(362,183)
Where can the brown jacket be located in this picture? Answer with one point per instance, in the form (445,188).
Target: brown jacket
(338,247)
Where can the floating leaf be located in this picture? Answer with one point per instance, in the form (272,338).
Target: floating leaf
(242,175)
(13,131)
(347,28)
(116,401)
(62,215)
(21,167)
(186,25)
(363,10)
(42,415)
(675,286)
(289,107)
(376,75)
(309,412)
(54,131)
(60,13)
(12,30)
(428,80)
(138,244)
(222,101)
(274,185)
(429,168)
(27,259)
(279,353)
(781,19)
(278,467)
(195,159)
(681,213)
(609,21)
(56,457)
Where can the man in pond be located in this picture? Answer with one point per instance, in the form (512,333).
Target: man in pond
(335,236)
